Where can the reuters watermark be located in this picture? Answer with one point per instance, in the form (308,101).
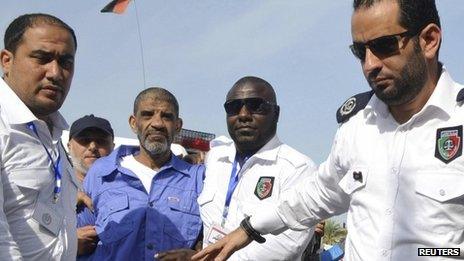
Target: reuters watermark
(432,251)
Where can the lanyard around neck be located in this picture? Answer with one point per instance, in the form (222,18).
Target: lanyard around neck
(233,181)
(56,167)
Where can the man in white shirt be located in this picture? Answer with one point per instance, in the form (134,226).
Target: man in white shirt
(252,170)
(396,164)
(37,187)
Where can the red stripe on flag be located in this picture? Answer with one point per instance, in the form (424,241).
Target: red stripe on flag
(121,6)
(116,6)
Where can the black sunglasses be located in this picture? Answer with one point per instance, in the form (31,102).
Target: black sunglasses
(253,105)
(381,46)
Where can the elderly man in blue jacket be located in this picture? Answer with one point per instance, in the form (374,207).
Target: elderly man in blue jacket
(145,197)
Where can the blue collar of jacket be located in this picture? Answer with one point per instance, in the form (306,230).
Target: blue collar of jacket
(112,162)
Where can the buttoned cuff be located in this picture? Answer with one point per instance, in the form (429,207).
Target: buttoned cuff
(267,221)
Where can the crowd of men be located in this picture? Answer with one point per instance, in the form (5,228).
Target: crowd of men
(395,166)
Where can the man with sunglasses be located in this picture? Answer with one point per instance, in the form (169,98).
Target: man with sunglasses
(250,171)
(396,164)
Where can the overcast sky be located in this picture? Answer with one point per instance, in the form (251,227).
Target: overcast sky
(198,49)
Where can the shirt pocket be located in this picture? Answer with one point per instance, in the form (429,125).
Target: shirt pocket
(24,185)
(207,206)
(112,222)
(354,184)
(33,178)
(184,225)
(440,186)
(441,200)
(206,197)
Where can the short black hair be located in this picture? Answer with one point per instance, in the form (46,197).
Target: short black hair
(255,81)
(414,14)
(15,31)
(159,93)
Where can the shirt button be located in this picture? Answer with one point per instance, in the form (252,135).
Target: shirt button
(151,204)
(150,246)
(388,211)
(442,192)
(384,252)
(47,219)
(394,170)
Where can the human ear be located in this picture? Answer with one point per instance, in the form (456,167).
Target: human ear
(430,40)
(179,123)
(6,58)
(277,113)
(133,124)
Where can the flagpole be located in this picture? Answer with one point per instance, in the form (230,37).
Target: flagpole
(141,45)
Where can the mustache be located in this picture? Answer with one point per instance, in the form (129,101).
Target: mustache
(163,132)
(373,75)
(96,155)
(240,126)
(52,86)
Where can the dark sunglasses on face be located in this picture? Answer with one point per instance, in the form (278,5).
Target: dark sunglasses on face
(253,105)
(381,46)
(85,141)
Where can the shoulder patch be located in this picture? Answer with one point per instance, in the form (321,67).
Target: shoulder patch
(460,96)
(353,105)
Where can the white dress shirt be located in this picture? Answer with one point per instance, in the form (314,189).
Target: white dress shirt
(399,195)
(32,225)
(285,165)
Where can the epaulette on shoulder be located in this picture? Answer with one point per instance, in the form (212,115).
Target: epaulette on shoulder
(354,104)
(460,96)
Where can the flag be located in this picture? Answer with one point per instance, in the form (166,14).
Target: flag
(116,6)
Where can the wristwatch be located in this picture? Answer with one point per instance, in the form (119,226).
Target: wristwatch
(250,231)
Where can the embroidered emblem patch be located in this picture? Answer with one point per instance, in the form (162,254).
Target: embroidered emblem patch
(348,106)
(448,144)
(264,187)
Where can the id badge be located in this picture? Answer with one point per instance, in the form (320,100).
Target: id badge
(47,217)
(215,234)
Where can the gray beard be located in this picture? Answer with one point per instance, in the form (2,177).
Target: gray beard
(78,165)
(155,148)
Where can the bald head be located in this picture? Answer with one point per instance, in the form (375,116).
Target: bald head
(157,93)
(258,86)
(252,114)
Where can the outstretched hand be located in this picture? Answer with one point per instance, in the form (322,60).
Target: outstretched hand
(225,247)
